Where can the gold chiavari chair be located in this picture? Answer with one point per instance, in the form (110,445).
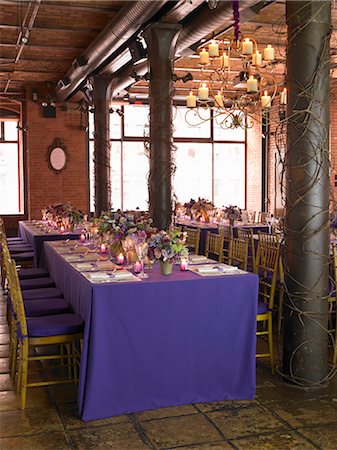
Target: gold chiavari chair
(262,217)
(48,331)
(247,235)
(239,253)
(214,246)
(227,232)
(267,267)
(193,239)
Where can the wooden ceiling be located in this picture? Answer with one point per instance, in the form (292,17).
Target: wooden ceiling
(39,40)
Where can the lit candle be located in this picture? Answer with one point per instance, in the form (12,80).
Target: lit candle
(103,248)
(62,228)
(82,237)
(203,92)
(257,59)
(252,84)
(213,49)
(204,57)
(183,264)
(218,99)
(191,100)
(224,60)
(265,100)
(247,47)
(137,267)
(120,258)
(283,97)
(269,53)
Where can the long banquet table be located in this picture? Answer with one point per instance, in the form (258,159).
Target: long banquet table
(163,341)
(36,233)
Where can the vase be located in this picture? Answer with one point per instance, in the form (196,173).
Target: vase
(166,267)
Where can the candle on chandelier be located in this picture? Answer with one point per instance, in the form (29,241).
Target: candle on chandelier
(62,229)
(103,248)
(269,53)
(283,97)
(191,100)
(247,47)
(265,100)
(257,59)
(203,92)
(213,49)
(183,264)
(252,84)
(82,237)
(224,60)
(218,99)
(204,57)
(120,259)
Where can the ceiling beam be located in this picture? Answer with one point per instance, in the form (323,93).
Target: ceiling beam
(51,29)
(64,6)
(42,47)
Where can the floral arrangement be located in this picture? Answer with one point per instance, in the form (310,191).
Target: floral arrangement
(63,214)
(118,225)
(201,209)
(169,246)
(232,212)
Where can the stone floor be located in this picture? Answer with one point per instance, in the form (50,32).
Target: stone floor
(281,417)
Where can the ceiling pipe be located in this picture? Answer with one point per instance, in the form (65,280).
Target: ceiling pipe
(196,26)
(126,23)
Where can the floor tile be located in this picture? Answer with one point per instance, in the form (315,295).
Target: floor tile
(238,422)
(56,441)
(304,413)
(37,397)
(325,436)
(209,446)
(179,431)
(29,421)
(69,413)
(226,405)
(63,393)
(117,437)
(166,412)
(278,441)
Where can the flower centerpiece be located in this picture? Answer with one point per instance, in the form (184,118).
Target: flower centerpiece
(63,214)
(168,248)
(232,213)
(188,207)
(121,230)
(201,209)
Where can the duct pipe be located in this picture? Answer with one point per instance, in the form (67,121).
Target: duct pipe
(126,23)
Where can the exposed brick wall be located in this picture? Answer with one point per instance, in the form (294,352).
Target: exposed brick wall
(43,185)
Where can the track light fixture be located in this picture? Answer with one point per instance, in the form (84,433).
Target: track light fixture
(80,61)
(65,82)
(184,79)
(137,77)
(138,52)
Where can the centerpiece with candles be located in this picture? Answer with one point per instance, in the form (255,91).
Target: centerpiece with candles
(232,213)
(63,215)
(168,248)
(201,210)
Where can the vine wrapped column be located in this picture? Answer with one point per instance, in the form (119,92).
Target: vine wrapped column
(307,202)
(161,39)
(102,97)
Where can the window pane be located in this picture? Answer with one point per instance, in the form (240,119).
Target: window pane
(188,124)
(115,164)
(229,175)
(193,176)
(115,123)
(9,179)
(91,125)
(136,117)
(135,174)
(227,134)
(11,130)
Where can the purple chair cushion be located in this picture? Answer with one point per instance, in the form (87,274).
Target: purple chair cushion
(26,256)
(19,248)
(46,307)
(54,325)
(36,283)
(15,239)
(262,308)
(35,294)
(25,274)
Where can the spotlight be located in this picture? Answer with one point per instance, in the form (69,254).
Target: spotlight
(44,104)
(24,40)
(138,52)
(65,82)
(80,62)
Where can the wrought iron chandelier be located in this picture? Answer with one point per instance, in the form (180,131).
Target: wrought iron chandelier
(256,76)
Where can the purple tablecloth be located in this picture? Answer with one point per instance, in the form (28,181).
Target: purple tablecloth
(168,340)
(37,240)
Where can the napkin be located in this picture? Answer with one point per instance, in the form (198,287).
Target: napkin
(122,275)
(100,276)
(105,265)
(197,258)
(208,269)
(83,266)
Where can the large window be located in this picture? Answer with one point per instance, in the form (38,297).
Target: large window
(10,169)
(210,161)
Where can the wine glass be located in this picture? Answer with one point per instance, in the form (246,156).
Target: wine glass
(141,250)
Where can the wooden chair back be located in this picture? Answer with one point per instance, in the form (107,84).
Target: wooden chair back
(247,235)
(193,239)
(239,253)
(214,246)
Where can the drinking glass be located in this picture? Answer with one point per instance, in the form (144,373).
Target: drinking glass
(141,250)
